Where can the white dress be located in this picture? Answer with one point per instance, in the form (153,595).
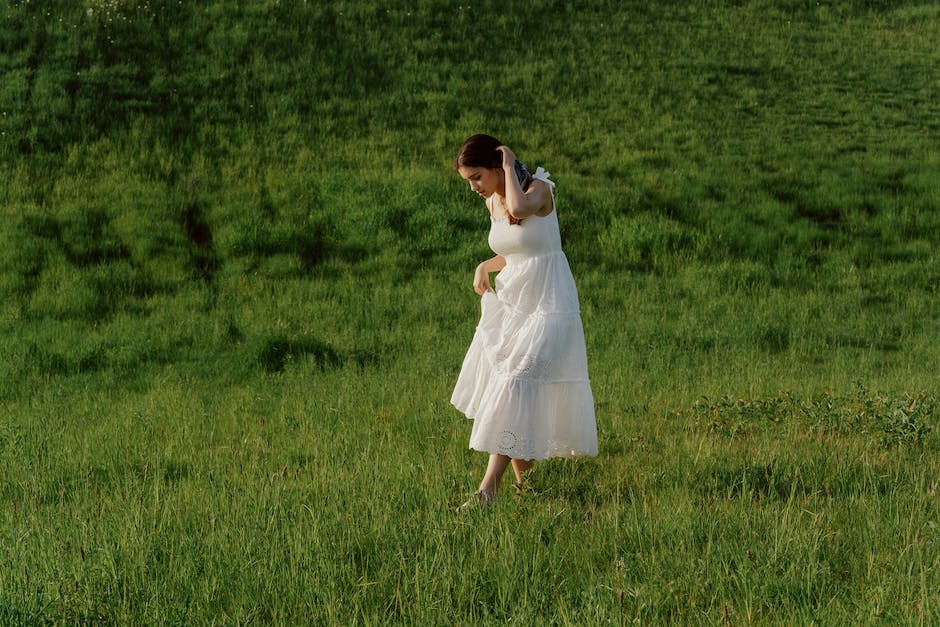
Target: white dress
(524,380)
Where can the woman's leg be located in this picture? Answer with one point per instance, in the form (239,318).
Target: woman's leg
(494,472)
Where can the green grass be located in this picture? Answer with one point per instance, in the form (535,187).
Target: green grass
(235,293)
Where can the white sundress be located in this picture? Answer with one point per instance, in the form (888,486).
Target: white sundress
(524,381)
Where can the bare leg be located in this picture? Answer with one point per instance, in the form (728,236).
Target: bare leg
(494,472)
(521,467)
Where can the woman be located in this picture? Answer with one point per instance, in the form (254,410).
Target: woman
(524,380)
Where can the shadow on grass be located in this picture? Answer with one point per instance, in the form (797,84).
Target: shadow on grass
(276,352)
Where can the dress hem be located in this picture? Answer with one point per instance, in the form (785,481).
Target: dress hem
(537,458)
(552,454)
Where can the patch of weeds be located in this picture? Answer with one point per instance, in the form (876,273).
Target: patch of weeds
(899,420)
(734,417)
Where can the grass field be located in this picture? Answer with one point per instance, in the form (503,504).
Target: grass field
(235,273)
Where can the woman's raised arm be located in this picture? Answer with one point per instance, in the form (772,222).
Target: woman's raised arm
(522,204)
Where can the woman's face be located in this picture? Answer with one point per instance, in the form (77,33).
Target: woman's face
(483,181)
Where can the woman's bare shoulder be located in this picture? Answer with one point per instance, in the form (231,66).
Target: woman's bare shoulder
(541,193)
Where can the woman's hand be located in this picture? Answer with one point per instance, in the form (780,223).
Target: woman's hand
(509,157)
(481,280)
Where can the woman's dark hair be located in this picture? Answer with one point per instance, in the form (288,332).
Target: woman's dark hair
(480,152)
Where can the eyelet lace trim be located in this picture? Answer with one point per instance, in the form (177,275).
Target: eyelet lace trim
(527,367)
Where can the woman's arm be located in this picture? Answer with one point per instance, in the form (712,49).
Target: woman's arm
(522,204)
(481,277)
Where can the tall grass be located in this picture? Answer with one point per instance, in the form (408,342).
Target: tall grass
(234,295)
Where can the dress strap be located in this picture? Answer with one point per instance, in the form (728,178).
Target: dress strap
(542,175)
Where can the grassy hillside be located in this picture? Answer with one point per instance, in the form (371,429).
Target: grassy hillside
(157,154)
(234,296)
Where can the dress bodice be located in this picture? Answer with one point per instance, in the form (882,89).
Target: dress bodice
(531,237)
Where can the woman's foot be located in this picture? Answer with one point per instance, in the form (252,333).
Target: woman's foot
(479,500)
(523,484)
(523,488)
